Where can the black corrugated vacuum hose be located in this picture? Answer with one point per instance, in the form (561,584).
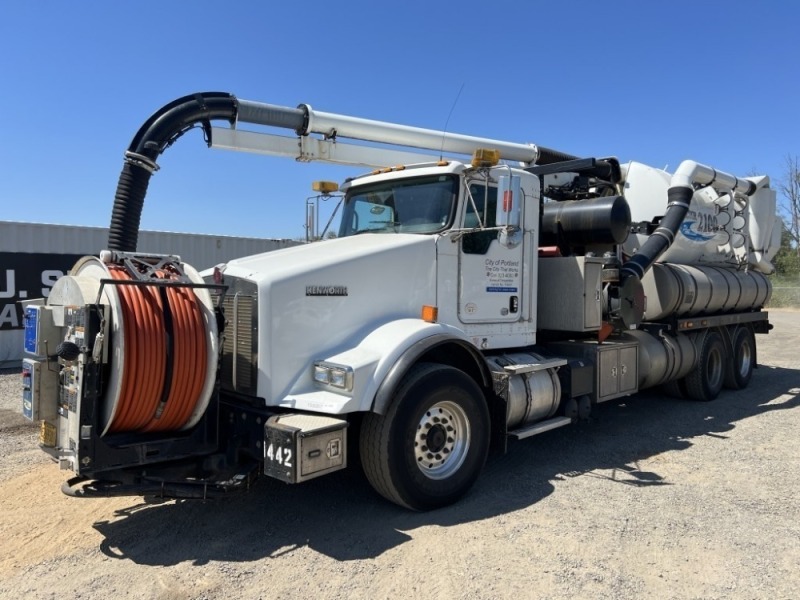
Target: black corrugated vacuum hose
(678,198)
(158,132)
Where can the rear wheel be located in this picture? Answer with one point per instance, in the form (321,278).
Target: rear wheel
(743,358)
(675,388)
(430,446)
(704,382)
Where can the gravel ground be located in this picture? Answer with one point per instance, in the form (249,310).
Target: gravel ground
(653,498)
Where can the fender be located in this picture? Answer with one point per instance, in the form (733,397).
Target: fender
(399,344)
(413,353)
(379,362)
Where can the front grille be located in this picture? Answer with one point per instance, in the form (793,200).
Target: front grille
(240,341)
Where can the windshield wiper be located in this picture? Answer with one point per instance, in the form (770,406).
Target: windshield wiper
(386,227)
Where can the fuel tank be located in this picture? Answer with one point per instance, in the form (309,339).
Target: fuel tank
(532,396)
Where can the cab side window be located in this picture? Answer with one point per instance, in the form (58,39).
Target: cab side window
(478,242)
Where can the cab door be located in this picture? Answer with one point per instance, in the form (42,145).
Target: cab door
(491,277)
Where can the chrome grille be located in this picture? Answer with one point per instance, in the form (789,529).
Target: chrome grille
(240,342)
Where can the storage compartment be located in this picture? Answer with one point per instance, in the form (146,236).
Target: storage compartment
(617,371)
(616,365)
(301,447)
(570,293)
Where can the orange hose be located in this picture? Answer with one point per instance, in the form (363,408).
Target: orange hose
(121,415)
(155,339)
(188,351)
(144,372)
(180,369)
(198,350)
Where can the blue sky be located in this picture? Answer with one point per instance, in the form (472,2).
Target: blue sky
(657,82)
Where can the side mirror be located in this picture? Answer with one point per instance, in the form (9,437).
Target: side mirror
(509,198)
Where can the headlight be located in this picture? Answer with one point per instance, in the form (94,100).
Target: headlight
(338,376)
(322,374)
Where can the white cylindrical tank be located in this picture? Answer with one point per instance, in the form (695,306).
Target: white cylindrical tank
(719,228)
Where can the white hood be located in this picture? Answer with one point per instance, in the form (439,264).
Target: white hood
(323,298)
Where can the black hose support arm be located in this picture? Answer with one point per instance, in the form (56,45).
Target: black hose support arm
(158,133)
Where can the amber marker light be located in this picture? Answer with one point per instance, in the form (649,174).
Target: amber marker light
(430,313)
(325,187)
(485,157)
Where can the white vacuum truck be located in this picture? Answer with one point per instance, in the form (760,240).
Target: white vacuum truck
(485,291)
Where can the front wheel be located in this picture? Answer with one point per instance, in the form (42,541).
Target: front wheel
(430,446)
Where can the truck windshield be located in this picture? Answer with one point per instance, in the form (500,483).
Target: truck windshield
(415,205)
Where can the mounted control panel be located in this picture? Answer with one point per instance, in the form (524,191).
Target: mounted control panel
(65,341)
(42,335)
(39,389)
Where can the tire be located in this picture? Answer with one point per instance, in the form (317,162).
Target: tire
(430,446)
(704,382)
(675,388)
(743,359)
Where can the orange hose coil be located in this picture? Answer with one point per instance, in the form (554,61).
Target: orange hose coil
(144,372)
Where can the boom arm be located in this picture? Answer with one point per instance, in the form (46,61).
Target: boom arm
(170,122)
(307,149)
(332,126)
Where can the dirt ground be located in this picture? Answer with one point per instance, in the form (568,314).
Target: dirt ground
(653,498)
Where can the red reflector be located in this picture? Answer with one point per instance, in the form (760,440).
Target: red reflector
(508,197)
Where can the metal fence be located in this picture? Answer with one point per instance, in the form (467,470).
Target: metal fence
(785,292)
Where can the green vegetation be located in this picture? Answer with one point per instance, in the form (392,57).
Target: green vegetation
(785,292)
(786,280)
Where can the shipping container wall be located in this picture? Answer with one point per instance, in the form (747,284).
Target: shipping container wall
(34,255)
(199,250)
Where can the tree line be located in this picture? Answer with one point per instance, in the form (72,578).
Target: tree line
(787,261)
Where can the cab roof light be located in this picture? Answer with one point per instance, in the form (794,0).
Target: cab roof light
(325,187)
(485,157)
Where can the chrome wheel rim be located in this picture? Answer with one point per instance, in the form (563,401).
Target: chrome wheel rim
(744,359)
(442,440)
(714,370)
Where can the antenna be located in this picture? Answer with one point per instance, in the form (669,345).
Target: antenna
(444,131)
